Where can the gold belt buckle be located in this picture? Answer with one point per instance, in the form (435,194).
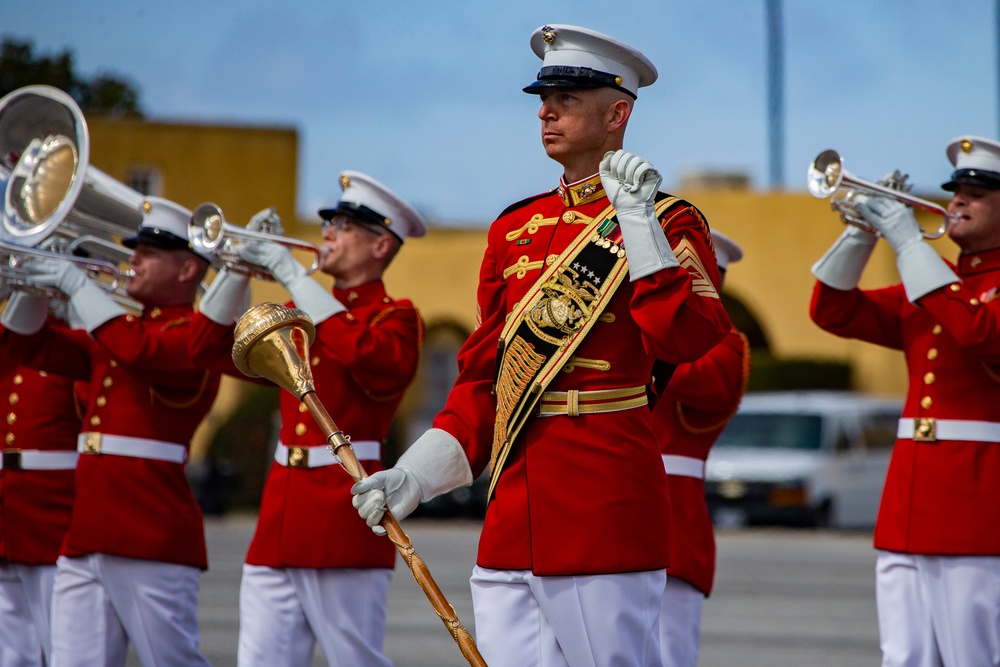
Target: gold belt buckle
(298,457)
(12,459)
(92,443)
(925,429)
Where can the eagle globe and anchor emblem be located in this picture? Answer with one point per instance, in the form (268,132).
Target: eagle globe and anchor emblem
(564,307)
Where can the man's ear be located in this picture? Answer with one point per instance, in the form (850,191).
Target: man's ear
(382,247)
(618,114)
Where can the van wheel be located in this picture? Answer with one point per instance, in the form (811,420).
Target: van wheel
(823,517)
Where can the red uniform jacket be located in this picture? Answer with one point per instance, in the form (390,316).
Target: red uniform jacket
(940,497)
(143,384)
(362,361)
(688,416)
(587,494)
(41,414)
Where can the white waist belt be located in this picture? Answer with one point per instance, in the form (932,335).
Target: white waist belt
(122,445)
(38,459)
(929,429)
(686,466)
(315,457)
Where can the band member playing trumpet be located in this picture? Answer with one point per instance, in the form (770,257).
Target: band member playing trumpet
(299,589)
(938,563)
(581,289)
(42,420)
(129,564)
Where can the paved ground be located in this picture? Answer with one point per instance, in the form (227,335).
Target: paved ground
(783,598)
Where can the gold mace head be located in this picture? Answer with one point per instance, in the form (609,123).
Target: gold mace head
(272,341)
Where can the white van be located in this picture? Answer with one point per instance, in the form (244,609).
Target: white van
(814,458)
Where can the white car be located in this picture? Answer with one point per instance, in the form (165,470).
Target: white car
(814,458)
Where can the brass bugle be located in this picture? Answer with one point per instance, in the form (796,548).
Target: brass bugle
(827,175)
(209,233)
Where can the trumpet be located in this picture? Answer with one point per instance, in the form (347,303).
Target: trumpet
(827,175)
(208,232)
(14,275)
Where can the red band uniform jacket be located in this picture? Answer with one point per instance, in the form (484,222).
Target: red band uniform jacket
(142,383)
(362,361)
(688,416)
(940,497)
(42,412)
(585,494)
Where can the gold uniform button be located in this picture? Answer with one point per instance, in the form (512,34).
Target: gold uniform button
(569,217)
(926,402)
(43,374)
(130,318)
(14,398)
(300,429)
(349,316)
(936,330)
(18,379)
(954,287)
(303,407)
(95,421)
(973,301)
(929,378)
(101,401)
(114,364)
(9,438)
(11,418)
(314,361)
(156,312)
(932,353)
(108,382)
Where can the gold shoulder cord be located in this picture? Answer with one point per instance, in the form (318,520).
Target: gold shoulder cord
(701,430)
(155,396)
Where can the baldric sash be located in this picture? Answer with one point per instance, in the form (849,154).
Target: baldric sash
(547,326)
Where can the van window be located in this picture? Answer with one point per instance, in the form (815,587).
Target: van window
(776,430)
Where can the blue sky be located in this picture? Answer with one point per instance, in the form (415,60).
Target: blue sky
(425,96)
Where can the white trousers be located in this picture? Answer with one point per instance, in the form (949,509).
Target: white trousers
(938,611)
(680,623)
(606,620)
(102,602)
(284,612)
(25,609)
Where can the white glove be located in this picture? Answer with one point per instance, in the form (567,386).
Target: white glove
(921,269)
(225,299)
(90,305)
(309,295)
(841,266)
(434,464)
(53,272)
(632,184)
(893,219)
(25,313)
(266,218)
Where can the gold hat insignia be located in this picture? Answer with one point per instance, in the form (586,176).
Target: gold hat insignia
(388,222)
(146,206)
(618,81)
(345,182)
(548,35)
(966,146)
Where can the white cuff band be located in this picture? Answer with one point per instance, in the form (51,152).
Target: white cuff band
(843,263)
(646,245)
(923,271)
(313,299)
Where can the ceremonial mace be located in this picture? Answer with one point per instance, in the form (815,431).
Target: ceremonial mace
(272,342)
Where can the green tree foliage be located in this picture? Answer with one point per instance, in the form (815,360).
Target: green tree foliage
(103,94)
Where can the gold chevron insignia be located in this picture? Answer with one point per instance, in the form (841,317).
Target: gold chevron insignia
(688,257)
